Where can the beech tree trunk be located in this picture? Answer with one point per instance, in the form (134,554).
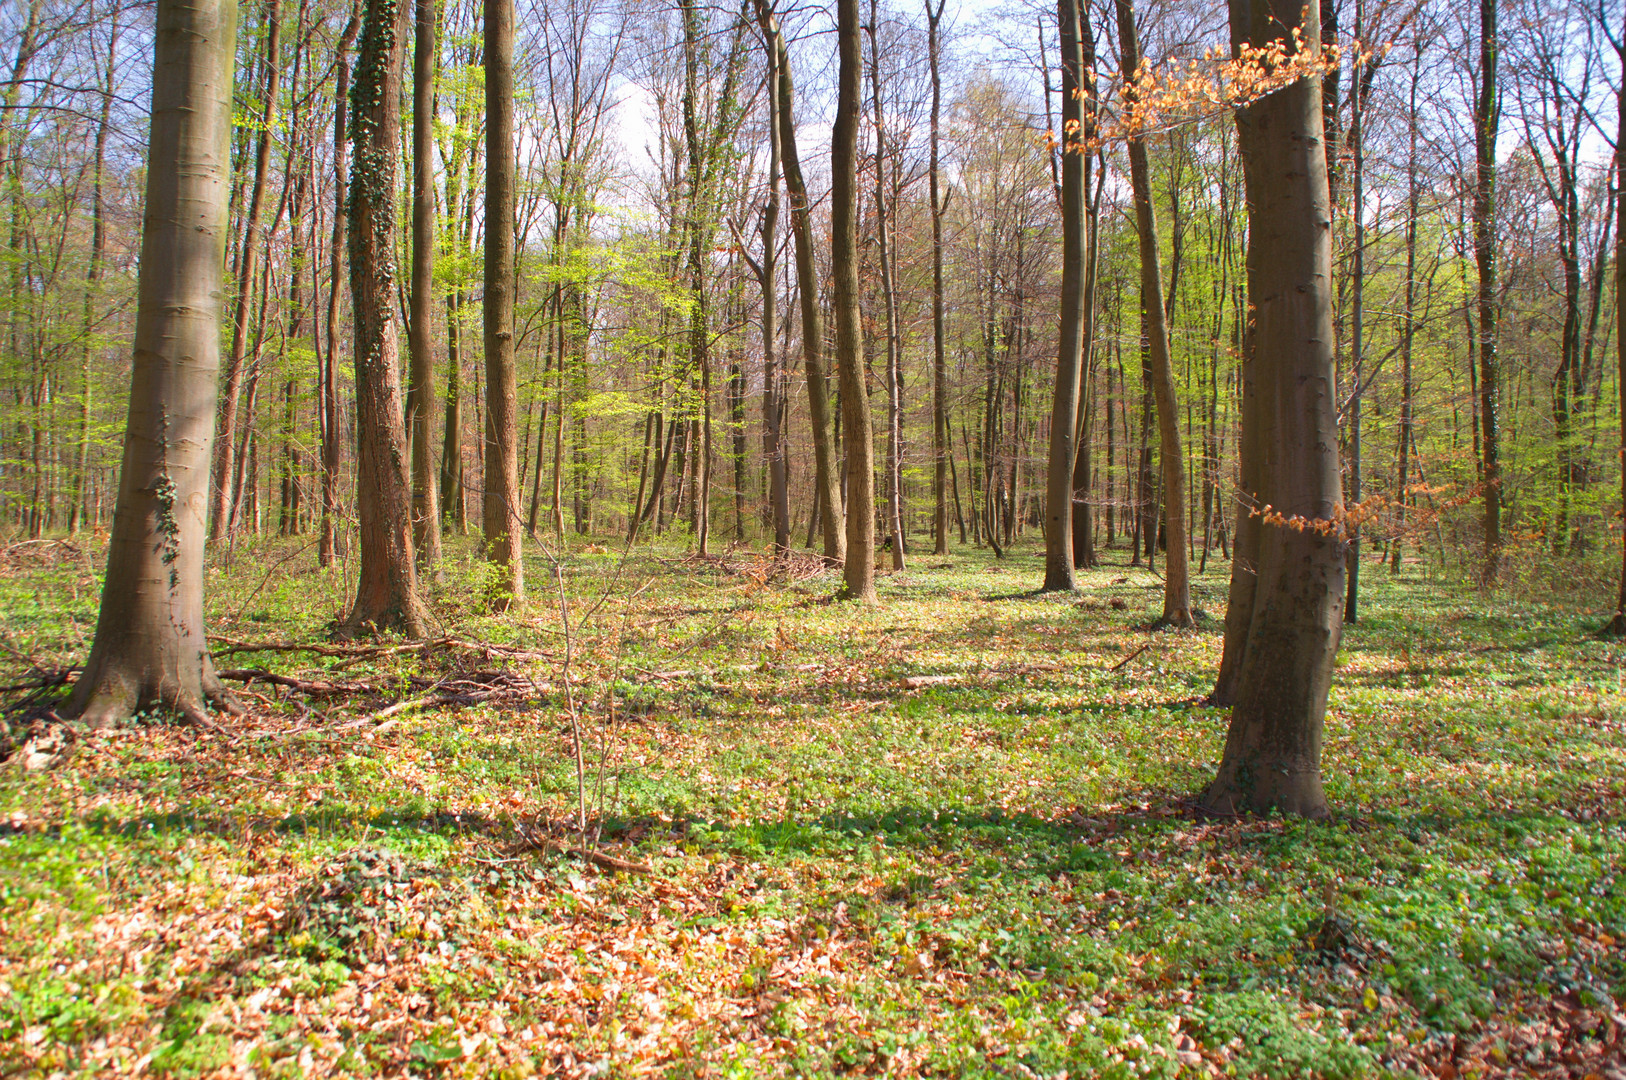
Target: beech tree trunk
(328,409)
(1487,119)
(501,506)
(1064,433)
(941,449)
(1286,611)
(1176,562)
(1617,625)
(818,397)
(1408,324)
(151,647)
(387,592)
(889,296)
(247,262)
(858,444)
(773,408)
(420,423)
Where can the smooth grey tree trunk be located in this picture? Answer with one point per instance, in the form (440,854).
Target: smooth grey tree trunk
(942,451)
(500,514)
(889,296)
(328,412)
(858,443)
(801,219)
(1617,625)
(1176,567)
(1287,594)
(420,423)
(1487,120)
(151,647)
(247,262)
(1058,536)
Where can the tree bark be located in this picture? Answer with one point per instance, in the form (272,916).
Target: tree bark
(93,275)
(773,411)
(1617,625)
(328,410)
(247,262)
(387,592)
(1408,323)
(818,399)
(420,423)
(858,443)
(889,295)
(1286,586)
(942,451)
(500,515)
(1176,563)
(1487,119)
(150,645)
(1064,433)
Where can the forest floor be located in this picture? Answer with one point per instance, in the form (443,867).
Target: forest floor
(950,835)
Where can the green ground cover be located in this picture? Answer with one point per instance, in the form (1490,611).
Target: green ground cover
(947,836)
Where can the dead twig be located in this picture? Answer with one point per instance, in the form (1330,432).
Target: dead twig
(1131,656)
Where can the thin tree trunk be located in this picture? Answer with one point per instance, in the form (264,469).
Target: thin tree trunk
(1176,567)
(420,422)
(500,516)
(247,263)
(1487,119)
(1617,625)
(818,401)
(1408,326)
(328,545)
(773,411)
(1064,433)
(942,450)
(858,443)
(889,295)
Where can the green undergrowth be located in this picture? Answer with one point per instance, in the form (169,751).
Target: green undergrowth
(949,835)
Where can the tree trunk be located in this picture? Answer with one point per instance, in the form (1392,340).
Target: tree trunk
(1408,324)
(773,411)
(1176,572)
(1617,625)
(1487,119)
(150,645)
(1084,556)
(942,451)
(1064,433)
(818,400)
(858,444)
(1286,612)
(420,423)
(500,507)
(889,296)
(328,544)
(93,275)
(387,592)
(247,262)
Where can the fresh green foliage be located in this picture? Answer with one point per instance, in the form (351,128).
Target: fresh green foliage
(946,836)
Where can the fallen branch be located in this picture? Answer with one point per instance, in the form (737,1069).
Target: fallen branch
(316,687)
(534,839)
(610,862)
(1130,657)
